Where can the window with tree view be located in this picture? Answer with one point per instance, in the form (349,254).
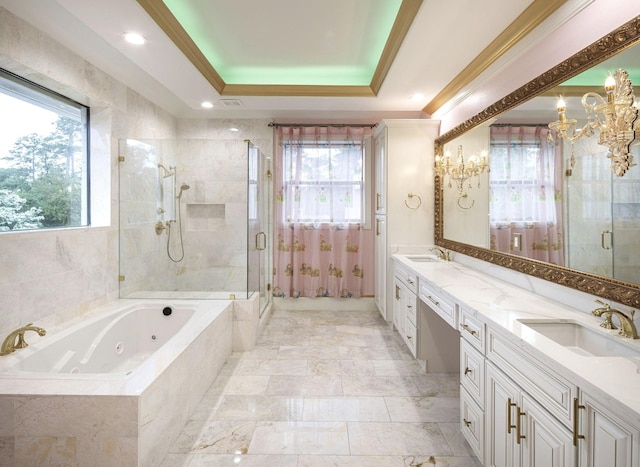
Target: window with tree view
(43,158)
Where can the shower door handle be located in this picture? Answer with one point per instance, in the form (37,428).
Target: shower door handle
(604,232)
(261,245)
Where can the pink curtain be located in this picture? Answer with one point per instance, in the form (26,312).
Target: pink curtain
(322,248)
(526,193)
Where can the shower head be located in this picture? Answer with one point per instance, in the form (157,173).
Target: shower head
(183,187)
(166,172)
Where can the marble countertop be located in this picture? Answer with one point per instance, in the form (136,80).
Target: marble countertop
(614,380)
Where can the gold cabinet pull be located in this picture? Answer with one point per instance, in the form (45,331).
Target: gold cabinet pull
(469,330)
(435,302)
(397,292)
(377,226)
(467,370)
(509,405)
(409,280)
(378,198)
(466,422)
(576,423)
(519,415)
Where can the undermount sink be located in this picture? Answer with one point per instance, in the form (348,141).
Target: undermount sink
(581,339)
(422,258)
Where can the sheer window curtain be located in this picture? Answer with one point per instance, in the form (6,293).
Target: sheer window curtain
(526,193)
(322,249)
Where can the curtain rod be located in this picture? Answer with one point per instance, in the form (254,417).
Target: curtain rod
(333,125)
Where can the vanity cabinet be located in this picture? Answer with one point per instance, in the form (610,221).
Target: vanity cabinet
(405,305)
(603,437)
(403,162)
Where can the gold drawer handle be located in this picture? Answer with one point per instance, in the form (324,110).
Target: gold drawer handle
(576,406)
(435,302)
(467,370)
(519,415)
(509,405)
(409,280)
(466,422)
(469,330)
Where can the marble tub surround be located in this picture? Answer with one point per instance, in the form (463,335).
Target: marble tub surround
(501,305)
(113,419)
(325,388)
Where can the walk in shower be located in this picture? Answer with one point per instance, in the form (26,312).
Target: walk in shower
(194,219)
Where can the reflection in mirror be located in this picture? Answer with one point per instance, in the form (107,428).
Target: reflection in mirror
(549,199)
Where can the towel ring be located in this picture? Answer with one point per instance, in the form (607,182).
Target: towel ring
(413,195)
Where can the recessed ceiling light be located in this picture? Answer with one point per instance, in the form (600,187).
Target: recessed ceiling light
(417,97)
(134,38)
(206,105)
(233,129)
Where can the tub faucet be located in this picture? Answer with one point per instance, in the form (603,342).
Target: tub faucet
(10,344)
(626,322)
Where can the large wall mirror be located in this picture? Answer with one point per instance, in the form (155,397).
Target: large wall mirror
(540,204)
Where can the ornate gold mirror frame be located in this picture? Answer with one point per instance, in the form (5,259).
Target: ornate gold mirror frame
(611,289)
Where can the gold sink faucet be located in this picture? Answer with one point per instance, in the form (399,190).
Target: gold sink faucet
(442,254)
(15,340)
(626,322)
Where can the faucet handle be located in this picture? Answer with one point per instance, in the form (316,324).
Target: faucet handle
(605,305)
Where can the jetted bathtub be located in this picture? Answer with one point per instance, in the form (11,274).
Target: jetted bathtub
(116,387)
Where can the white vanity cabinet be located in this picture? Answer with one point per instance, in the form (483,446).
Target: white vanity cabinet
(604,438)
(405,305)
(529,414)
(403,153)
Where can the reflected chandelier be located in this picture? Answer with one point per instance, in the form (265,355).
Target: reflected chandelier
(460,172)
(614,118)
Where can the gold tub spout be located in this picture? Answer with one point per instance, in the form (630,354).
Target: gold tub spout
(15,340)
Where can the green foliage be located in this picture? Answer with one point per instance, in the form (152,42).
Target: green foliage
(44,178)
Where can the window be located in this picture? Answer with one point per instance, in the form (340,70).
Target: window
(323,182)
(43,157)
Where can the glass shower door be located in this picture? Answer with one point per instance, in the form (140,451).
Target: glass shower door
(259,215)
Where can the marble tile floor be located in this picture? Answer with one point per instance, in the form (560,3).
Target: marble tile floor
(321,389)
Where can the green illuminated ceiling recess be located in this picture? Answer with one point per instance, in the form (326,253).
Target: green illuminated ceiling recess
(304,44)
(288,47)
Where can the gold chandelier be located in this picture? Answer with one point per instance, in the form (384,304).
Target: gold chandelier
(461,172)
(614,118)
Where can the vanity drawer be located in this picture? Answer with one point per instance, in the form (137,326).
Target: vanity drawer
(472,329)
(472,423)
(472,371)
(407,276)
(410,336)
(549,389)
(443,306)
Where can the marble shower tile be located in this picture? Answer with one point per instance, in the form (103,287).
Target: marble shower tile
(300,438)
(423,409)
(389,439)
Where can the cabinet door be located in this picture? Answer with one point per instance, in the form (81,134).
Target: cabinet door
(380,152)
(608,440)
(546,442)
(380,265)
(501,414)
